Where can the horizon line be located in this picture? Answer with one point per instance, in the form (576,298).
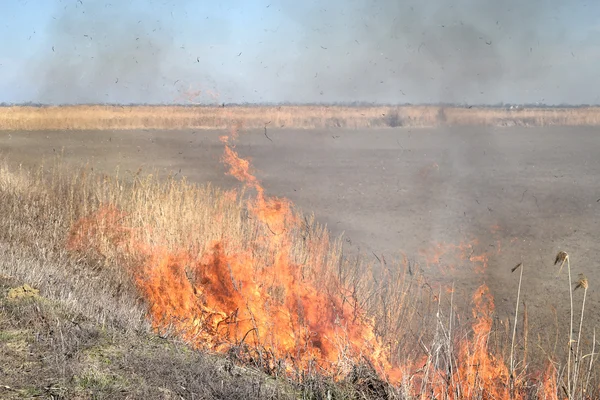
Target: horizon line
(305,104)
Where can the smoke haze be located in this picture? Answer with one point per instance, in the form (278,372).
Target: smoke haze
(391,51)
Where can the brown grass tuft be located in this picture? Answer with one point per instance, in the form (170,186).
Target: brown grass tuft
(582,282)
(561,258)
(516,267)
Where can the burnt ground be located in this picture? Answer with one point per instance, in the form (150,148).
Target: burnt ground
(523,193)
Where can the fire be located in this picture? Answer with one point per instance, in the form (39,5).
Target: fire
(479,370)
(258,302)
(290,316)
(444,257)
(550,387)
(288,308)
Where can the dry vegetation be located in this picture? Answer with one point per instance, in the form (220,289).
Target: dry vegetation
(49,351)
(304,117)
(84,239)
(95,285)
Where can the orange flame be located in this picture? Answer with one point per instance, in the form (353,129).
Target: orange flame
(480,371)
(232,298)
(549,385)
(287,315)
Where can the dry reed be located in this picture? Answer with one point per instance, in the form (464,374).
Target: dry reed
(101,117)
(514,334)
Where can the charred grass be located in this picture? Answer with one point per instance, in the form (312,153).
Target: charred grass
(86,333)
(286,116)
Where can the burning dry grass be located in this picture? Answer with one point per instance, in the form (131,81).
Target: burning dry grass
(304,117)
(211,267)
(247,275)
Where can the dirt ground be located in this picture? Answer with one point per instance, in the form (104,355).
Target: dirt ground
(522,193)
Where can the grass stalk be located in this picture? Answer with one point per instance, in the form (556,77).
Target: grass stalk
(592,354)
(570,330)
(449,345)
(525,333)
(562,257)
(514,333)
(583,283)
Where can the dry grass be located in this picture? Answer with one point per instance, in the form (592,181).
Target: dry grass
(49,351)
(95,284)
(40,210)
(32,237)
(303,117)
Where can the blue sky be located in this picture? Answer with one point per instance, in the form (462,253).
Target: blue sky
(466,51)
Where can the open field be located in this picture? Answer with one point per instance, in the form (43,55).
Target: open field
(463,205)
(301,117)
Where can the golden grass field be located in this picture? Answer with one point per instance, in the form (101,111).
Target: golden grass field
(99,117)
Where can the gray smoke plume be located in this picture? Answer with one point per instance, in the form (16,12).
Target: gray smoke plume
(104,53)
(396,51)
(449,51)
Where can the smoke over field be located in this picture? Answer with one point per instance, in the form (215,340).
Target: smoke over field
(340,51)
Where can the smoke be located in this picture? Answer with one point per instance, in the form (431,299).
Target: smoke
(449,51)
(397,51)
(97,52)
